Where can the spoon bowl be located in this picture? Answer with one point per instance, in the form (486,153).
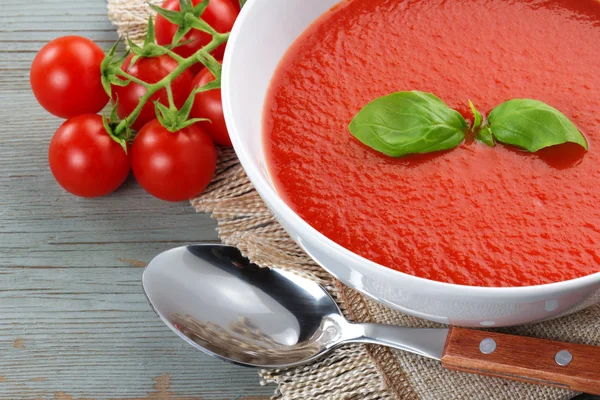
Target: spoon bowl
(220,303)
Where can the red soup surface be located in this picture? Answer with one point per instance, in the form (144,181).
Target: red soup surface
(474,215)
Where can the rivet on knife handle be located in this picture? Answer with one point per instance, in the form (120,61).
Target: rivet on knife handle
(543,362)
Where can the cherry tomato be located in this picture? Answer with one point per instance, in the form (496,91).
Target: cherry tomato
(173,166)
(85,160)
(236,5)
(150,70)
(208,105)
(65,77)
(220,14)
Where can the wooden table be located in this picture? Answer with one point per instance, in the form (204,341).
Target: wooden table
(74,322)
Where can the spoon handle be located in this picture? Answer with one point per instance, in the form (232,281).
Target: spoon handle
(543,362)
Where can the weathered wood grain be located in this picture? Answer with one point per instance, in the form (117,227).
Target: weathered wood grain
(74,322)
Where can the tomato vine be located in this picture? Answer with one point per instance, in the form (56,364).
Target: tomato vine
(113,74)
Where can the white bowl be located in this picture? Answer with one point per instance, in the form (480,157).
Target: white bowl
(261,36)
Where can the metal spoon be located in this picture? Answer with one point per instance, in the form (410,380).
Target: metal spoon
(223,305)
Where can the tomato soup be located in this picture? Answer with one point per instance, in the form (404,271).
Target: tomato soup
(475,215)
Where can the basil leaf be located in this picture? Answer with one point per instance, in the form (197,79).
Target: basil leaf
(532,125)
(408,123)
(485,135)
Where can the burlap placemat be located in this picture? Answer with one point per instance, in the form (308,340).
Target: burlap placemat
(356,371)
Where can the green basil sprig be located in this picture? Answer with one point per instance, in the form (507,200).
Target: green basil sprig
(482,131)
(408,123)
(415,122)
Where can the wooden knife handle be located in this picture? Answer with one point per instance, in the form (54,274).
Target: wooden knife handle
(524,359)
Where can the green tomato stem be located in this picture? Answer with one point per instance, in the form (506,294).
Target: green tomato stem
(200,25)
(170,97)
(133,78)
(175,56)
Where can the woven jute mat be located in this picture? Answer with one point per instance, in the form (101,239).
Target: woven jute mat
(354,371)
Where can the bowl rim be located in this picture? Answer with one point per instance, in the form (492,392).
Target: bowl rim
(279,207)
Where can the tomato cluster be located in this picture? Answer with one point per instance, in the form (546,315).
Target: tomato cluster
(167,112)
